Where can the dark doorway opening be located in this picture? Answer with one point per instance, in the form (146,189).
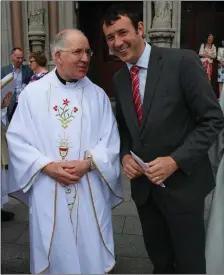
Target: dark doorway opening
(103,66)
(198,19)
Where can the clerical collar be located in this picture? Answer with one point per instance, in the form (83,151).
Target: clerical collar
(63,81)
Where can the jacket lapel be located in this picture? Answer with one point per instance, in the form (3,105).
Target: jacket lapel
(127,98)
(153,73)
(23,74)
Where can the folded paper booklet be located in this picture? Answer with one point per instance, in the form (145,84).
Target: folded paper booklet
(142,164)
(8,84)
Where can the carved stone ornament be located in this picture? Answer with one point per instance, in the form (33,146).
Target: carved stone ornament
(161,38)
(163,14)
(32,38)
(37,17)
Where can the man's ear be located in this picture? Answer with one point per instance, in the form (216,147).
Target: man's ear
(140,28)
(57,56)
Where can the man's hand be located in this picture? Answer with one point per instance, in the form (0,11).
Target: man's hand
(78,167)
(6,100)
(131,168)
(160,169)
(57,171)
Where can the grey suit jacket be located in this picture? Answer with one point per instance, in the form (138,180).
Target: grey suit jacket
(181,119)
(26,75)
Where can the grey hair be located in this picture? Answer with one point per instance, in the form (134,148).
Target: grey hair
(60,39)
(59,42)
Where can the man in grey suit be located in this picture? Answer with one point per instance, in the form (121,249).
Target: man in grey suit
(168,115)
(22,74)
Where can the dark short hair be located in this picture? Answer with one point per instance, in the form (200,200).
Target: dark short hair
(16,48)
(39,57)
(115,12)
(210,34)
(207,36)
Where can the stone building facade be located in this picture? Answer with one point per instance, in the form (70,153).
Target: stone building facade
(32,24)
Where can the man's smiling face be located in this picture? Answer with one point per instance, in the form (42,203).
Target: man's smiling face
(124,40)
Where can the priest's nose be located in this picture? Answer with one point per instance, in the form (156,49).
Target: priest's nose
(85,58)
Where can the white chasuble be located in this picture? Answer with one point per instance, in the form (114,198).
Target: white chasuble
(70,227)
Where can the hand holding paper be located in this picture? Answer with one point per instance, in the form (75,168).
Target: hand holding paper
(131,169)
(161,168)
(144,165)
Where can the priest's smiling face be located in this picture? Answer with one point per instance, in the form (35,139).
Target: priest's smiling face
(73,61)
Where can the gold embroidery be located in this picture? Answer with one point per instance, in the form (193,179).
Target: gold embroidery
(34,176)
(53,230)
(91,156)
(95,214)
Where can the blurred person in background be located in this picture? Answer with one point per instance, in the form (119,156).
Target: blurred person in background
(220,58)
(22,74)
(5,216)
(207,54)
(215,229)
(38,62)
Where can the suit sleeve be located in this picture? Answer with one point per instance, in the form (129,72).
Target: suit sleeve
(204,106)
(28,74)
(125,137)
(2,72)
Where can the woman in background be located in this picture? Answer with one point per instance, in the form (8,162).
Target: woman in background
(207,53)
(215,229)
(220,58)
(38,62)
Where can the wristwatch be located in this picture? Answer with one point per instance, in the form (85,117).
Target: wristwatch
(92,166)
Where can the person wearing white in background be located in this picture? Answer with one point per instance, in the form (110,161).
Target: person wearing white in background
(5,216)
(215,228)
(64,151)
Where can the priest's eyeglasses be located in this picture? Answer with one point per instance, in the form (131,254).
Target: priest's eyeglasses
(79,52)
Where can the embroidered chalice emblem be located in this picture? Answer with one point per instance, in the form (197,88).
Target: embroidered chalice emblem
(63,147)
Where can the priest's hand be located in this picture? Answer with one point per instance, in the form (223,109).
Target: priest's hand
(57,171)
(78,167)
(131,168)
(160,169)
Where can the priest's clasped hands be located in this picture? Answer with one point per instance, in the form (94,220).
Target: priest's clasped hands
(68,172)
(159,169)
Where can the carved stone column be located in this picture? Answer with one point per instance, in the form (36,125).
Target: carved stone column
(17,38)
(53,18)
(6,33)
(147,18)
(66,14)
(36,14)
(162,33)
(176,23)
